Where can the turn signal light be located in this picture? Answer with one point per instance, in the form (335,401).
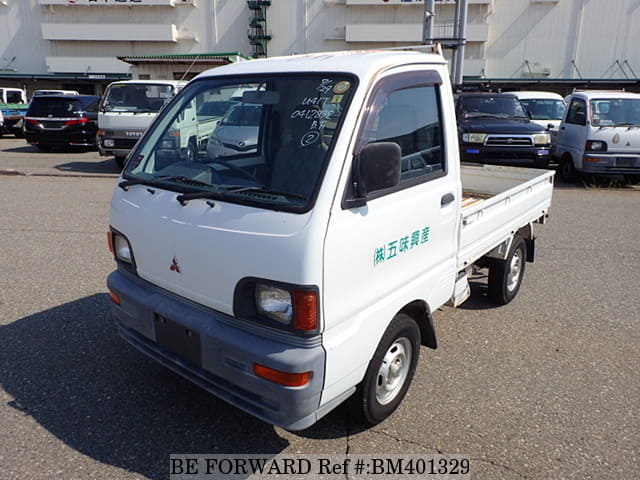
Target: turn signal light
(282,378)
(306,310)
(77,121)
(115,298)
(112,248)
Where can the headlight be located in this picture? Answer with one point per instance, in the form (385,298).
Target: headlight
(596,146)
(474,137)
(109,142)
(119,246)
(542,139)
(274,303)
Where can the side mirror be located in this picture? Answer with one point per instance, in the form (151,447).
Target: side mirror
(377,167)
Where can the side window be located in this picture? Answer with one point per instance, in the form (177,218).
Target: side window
(577,112)
(411,118)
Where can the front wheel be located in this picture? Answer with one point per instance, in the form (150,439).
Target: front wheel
(390,371)
(505,276)
(567,170)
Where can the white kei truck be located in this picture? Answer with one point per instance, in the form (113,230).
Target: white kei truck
(290,277)
(126,110)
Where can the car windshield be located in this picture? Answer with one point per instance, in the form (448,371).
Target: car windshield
(544,108)
(136,97)
(503,106)
(615,112)
(56,107)
(269,148)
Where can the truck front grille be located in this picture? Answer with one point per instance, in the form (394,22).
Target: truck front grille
(509,141)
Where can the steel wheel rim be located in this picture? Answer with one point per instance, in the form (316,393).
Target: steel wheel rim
(515,269)
(393,371)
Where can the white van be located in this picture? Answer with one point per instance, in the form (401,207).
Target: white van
(544,108)
(600,134)
(290,276)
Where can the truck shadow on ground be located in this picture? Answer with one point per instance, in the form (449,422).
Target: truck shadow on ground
(104,166)
(67,368)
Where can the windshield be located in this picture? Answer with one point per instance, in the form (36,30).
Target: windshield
(544,108)
(136,97)
(269,148)
(14,96)
(499,106)
(615,112)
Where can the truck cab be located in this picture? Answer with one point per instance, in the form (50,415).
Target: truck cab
(127,108)
(304,269)
(600,135)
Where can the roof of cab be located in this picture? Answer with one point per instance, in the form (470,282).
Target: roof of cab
(362,63)
(604,94)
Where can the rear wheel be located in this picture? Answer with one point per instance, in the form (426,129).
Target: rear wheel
(192,150)
(43,148)
(390,371)
(505,276)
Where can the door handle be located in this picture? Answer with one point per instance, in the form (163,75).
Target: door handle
(447,199)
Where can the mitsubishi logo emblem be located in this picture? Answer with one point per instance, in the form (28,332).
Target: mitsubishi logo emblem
(175,267)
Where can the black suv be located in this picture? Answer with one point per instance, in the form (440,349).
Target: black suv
(495,128)
(62,121)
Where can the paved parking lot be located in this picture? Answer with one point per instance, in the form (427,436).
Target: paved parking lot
(546,387)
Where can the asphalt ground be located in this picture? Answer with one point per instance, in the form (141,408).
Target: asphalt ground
(547,387)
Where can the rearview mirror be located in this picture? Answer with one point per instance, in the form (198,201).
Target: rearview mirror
(261,97)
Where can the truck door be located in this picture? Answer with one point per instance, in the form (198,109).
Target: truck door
(401,245)
(573,131)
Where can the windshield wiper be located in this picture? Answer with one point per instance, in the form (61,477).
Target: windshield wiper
(266,191)
(154,181)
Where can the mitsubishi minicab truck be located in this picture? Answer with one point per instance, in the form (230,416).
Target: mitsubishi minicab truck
(600,135)
(305,268)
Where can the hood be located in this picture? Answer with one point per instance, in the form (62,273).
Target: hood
(500,125)
(201,252)
(618,139)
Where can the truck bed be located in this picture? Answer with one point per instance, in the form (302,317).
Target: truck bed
(497,201)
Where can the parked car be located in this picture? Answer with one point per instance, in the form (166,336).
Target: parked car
(13,106)
(237,132)
(494,128)
(62,121)
(600,134)
(39,93)
(544,108)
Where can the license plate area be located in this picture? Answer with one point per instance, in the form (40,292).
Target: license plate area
(178,339)
(626,161)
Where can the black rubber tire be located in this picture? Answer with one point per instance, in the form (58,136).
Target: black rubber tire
(502,285)
(192,150)
(120,161)
(402,330)
(44,148)
(567,170)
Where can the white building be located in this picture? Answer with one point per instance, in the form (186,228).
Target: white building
(77,44)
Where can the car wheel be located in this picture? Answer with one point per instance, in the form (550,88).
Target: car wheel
(505,276)
(567,170)
(192,150)
(390,371)
(43,148)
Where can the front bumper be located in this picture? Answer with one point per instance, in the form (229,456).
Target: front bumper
(528,156)
(612,164)
(217,352)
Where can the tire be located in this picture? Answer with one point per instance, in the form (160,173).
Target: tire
(120,161)
(390,371)
(505,276)
(192,150)
(44,148)
(567,170)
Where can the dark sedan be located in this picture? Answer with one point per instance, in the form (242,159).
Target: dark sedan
(62,121)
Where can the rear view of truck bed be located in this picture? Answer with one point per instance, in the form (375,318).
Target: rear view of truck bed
(498,201)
